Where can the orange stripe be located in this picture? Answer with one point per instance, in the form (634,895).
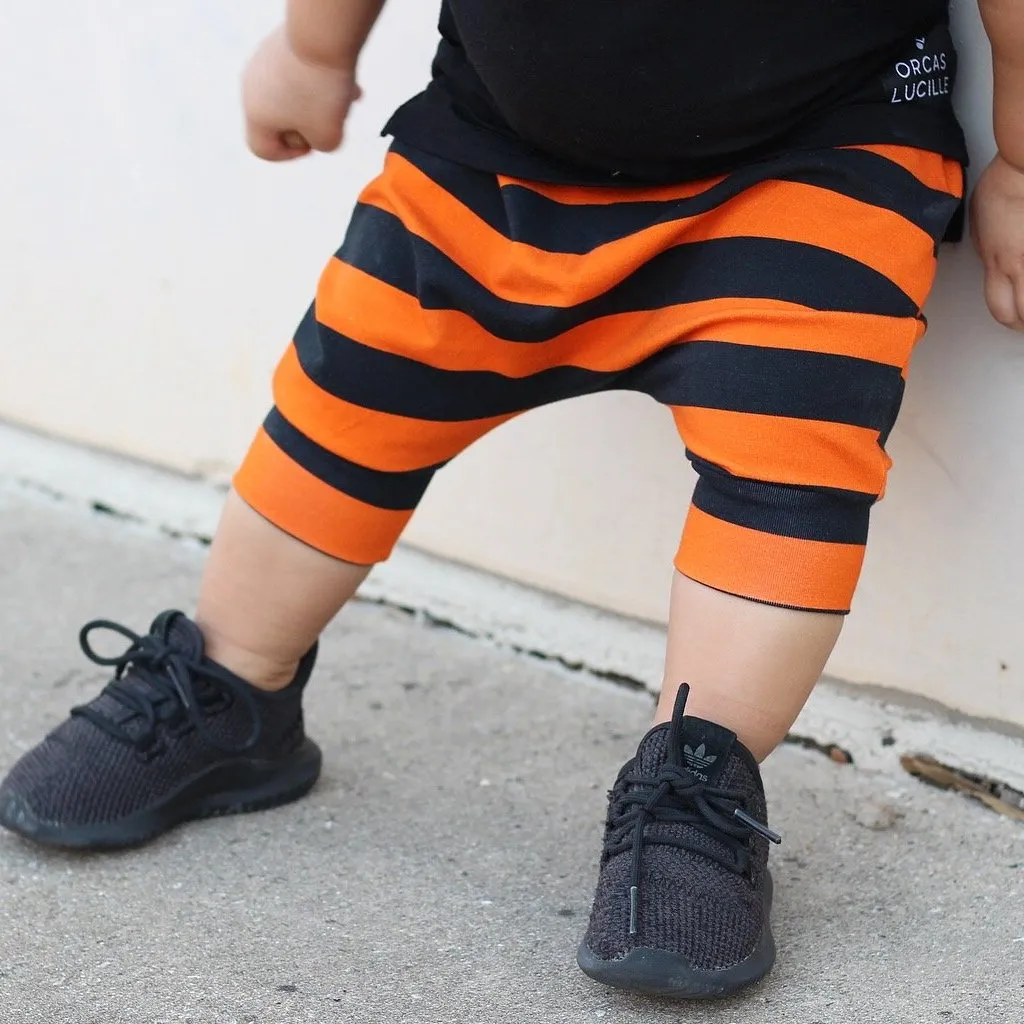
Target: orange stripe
(790,211)
(767,323)
(304,506)
(929,168)
(599,195)
(385,318)
(378,440)
(807,574)
(783,450)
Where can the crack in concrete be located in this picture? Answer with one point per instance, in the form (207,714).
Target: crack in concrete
(831,750)
(432,621)
(992,788)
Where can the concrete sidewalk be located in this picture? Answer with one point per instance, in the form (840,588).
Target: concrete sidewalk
(442,869)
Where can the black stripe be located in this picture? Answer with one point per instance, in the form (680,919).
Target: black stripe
(751,268)
(894,411)
(806,513)
(396,384)
(523,215)
(396,491)
(772,382)
(707,374)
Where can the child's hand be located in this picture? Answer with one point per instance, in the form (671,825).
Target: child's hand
(997,228)
(293,106)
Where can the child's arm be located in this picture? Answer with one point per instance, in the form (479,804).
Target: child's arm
(997,208)
(301,82)
(331,32)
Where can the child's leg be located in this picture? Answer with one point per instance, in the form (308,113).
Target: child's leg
(750,666)
(266,596)
(375,394)
(784,387)
(426,333)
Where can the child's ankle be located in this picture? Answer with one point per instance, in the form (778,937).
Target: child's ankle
(260,671)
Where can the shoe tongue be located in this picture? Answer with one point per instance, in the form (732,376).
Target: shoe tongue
(180,632)
(702,747)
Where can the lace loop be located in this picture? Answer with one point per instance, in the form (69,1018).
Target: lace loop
(177,678)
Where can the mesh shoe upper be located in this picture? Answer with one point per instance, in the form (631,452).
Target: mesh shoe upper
(169,714)
(698,888)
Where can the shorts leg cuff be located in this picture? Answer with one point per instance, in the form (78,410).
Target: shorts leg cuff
(302,505)
(806,575)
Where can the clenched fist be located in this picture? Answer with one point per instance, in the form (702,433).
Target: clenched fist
(293,106)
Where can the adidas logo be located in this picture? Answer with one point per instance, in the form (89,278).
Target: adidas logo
(698,758)
(920,41)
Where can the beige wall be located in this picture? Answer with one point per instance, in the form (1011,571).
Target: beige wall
(152,272)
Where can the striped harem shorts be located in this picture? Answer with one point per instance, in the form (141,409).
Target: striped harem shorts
(773,310)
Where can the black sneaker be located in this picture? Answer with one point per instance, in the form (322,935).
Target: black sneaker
(173,736)
(684,895)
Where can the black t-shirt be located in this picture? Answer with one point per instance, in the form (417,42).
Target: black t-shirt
(613,91)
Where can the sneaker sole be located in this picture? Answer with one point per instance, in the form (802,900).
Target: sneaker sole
(235,787)
(656,972)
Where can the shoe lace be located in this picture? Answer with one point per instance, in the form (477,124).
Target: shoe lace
(677,796)
(188,685)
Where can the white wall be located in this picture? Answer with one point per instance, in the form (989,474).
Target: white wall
(152,272)
(152,269)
